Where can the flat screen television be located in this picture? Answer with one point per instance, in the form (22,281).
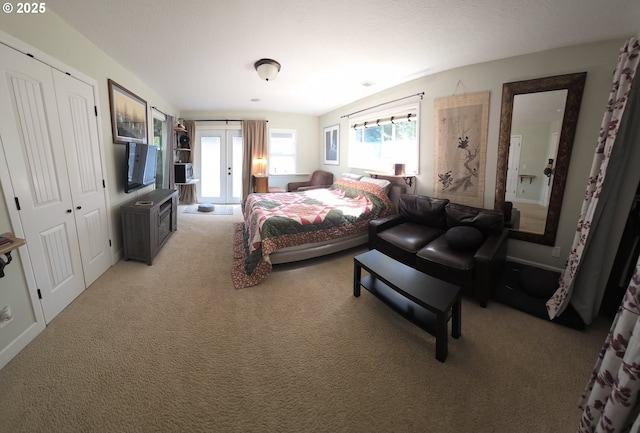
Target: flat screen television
(141,166)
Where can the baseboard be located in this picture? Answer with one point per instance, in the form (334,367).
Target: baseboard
(535,264)
(21,341)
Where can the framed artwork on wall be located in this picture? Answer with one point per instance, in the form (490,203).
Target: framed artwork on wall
(331,145)
(461,148)
(128,115)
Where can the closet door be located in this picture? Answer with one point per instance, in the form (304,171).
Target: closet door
(80,138)
(32,142)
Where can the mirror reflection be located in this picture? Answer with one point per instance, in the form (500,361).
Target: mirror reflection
(535,133)
(538,120)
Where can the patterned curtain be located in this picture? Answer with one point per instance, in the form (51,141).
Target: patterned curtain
(620,90)
(610,401)
(254,136)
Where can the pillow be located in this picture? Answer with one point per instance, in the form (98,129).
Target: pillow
(205,207)
(351,176)
(382,183)
(464,238)
(422,209)
(486,220)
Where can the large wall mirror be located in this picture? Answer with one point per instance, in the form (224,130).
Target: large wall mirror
(537,127)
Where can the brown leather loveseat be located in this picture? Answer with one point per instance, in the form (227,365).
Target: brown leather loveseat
(460,244)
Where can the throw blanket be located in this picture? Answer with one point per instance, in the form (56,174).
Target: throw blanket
(279,220)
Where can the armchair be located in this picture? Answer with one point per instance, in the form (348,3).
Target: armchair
(319,179)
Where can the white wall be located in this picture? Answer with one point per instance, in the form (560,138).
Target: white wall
(598,60)
(309,154)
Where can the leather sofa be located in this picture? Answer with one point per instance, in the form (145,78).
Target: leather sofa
(463,245)
(319,179)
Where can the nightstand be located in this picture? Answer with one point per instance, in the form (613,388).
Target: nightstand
(260,183)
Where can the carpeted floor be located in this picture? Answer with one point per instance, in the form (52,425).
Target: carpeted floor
(218,209)
(174,347)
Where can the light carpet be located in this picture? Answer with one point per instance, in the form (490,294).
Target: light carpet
(218,209)
(174,347)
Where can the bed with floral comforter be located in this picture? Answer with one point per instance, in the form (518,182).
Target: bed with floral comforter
(274,221)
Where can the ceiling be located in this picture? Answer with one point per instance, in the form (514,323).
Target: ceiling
(199,54)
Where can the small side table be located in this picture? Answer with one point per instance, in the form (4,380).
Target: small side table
(260,183)
(9,243)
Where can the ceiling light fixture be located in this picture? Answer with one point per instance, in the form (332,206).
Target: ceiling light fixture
(267,69)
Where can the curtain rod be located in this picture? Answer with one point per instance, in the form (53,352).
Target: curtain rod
(158,110)
(222,120)
(421,95)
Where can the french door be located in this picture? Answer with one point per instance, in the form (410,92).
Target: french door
(218,164)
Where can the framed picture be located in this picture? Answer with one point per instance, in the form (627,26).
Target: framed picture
(461,148)
(128,115)
(332,145)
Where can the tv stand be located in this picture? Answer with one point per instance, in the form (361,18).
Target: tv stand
(147,226)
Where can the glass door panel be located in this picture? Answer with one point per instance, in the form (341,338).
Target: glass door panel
(235,188)
(210,167)
(218,165)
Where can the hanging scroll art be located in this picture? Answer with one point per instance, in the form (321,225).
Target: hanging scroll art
(461,148)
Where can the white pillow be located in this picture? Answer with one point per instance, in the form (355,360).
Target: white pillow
(351,176)
(382,183)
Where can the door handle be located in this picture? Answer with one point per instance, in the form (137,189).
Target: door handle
(69,211)
(78,207)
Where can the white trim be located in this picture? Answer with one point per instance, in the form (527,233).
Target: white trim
(157,114)
(13,348)
(294,134)
(535,264)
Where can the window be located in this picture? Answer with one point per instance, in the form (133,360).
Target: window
(282,151)
(380,140)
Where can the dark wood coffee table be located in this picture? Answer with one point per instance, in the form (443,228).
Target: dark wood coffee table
(424,300)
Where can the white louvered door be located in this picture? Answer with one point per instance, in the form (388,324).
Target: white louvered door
(32,140)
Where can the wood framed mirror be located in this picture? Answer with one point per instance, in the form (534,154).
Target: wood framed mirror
(537,127)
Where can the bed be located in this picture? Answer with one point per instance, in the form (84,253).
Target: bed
(285,227)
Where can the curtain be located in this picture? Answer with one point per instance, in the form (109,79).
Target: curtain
(254,136)
(580,277)
(188,192)
(610,401)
